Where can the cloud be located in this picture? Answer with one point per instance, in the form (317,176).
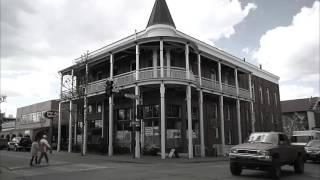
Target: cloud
(246,50)
(296,92)
(41,37)
(292,52)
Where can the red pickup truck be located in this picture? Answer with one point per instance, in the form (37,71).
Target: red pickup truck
(266,151)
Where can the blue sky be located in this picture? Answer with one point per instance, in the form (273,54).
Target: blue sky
(41,37)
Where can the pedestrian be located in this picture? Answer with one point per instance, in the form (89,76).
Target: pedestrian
(44,147)
(34,151)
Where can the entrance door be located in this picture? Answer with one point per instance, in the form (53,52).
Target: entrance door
(152,133)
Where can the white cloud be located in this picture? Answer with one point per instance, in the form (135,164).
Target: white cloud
(296,92)
(41,37)
(246,50)
(292,52)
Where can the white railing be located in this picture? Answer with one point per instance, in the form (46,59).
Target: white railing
(244,93)
(175,73)
(210,84)
(125,79)
(229,89)
(96,86)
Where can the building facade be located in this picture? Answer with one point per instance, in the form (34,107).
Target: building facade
(31,121)
(300,114)
(7,129)
(196,98)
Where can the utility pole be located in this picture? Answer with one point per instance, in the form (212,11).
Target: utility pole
(2,99)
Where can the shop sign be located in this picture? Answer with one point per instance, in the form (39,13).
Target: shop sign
(51,114)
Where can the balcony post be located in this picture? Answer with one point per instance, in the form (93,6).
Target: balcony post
(103,116)
(110,147)
(190,145)
(137,61)
(75,127)
(222,124)
(251,104)
(60,115)
(236,80)
(137,134)
(239,121)
(168,62)
(70,115)
(84,145)
(154,63)
(163,130)
(59,127)
(250,86)
(202,147)
(187,60)
(220,78)
(161,59)
(199,70)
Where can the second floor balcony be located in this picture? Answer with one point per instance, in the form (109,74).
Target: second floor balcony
(152,75)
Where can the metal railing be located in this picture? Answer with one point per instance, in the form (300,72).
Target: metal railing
(174,73)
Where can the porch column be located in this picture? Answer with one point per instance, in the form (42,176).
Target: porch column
(154,63)
(110,147)
(187,61)
(163,130)
(137,61)
(70,127)
(161,59)
(75,126)
(103,116)
(168,62)
(199,69)
(84,145)
(220,78)
(137,148)
(190,145)
(239,121)
(202,147)
(59,127)
(70,115)
(236,80)
(222,124)
(251,104)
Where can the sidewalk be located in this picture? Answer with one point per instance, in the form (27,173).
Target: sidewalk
(142,160)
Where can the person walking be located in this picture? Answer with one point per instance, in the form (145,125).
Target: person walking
(34,151)
(44,147)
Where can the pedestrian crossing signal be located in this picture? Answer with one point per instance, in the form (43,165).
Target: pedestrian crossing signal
(139,112)
(109,87)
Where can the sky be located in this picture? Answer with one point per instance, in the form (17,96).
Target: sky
(40,37)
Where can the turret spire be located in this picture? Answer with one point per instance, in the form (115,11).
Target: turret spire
(160,14)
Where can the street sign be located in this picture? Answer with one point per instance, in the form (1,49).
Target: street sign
(131,96)
(51,114)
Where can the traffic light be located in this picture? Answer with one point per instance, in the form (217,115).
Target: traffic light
(109,87)
(139,112)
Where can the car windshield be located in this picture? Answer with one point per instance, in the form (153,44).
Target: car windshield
(315,143)
(263,138)
(301,139)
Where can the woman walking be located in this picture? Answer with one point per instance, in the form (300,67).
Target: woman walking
(34,151)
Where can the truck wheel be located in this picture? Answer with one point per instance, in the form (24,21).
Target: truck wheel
(275,170)
(299,165)
(235,168)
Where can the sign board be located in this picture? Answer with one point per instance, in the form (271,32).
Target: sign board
(131,96)
(51,114)
(171,153)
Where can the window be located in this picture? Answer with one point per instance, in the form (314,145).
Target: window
(272,120)
(173,111)
(275,99)
(226,78)
(214,118)
(213,74)
(261,95)
(268,96)
(229,137)
(99,108)
(217,132)
(228,112)
(90,109)
(253,93)
(261,114)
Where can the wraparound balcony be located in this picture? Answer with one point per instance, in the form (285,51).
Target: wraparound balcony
(172,73)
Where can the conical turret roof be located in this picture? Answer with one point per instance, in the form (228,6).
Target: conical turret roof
(160,14)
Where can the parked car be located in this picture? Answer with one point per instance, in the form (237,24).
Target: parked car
(3,143)
(266,151)
(303,137)
(313,150)
(20,144)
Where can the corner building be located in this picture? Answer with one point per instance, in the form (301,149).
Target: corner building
(196,98)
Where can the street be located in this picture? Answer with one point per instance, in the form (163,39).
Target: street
(14,165)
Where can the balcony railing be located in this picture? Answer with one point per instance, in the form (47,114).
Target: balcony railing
(173,73)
